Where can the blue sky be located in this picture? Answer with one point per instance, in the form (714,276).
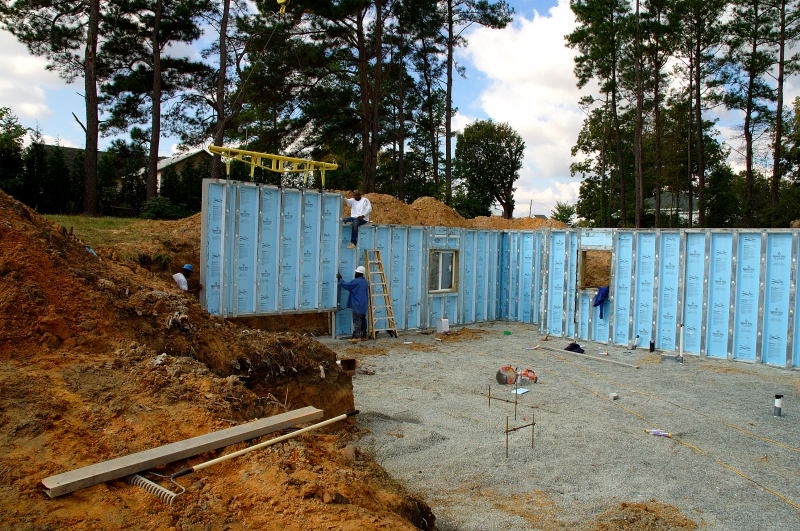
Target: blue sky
(521,75)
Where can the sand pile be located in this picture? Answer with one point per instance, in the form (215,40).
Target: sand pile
(428,211)
(498,222)
(100,358)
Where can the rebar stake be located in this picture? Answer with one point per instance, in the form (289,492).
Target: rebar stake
(533,424)
(490,396)
(516,396)
(506,436)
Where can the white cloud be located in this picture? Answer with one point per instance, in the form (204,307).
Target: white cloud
(531,86)
(460,121)
(23,79)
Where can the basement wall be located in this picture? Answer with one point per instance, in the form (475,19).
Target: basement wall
(271,251)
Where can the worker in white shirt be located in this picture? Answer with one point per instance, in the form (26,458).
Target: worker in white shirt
(360,207)
(182,276)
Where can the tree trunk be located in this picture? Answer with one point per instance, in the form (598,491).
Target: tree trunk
(778,145)
(448,174)
(366,115)
(508,209)
(92,122)
(637,134)
(698,118)
(401,134)
(623,212)
(155,126)
(658,127)
(432,137)
(748,129)
(604,168)
(689,129)
(377,81)
(219,132)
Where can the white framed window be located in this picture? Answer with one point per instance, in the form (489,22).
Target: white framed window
(442,268)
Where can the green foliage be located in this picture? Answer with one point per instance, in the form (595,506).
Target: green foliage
(564,212)
(162,208)
(488,160)
(11,138)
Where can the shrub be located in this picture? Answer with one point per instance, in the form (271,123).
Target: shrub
(162,208)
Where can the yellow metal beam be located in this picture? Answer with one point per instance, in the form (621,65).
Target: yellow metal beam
(276,163)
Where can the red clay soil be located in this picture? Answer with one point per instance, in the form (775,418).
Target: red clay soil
(101,358)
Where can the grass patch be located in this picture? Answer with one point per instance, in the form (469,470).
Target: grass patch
(98,231)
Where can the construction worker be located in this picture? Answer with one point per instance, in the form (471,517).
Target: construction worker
(182,278)
(360,207)
(359,302)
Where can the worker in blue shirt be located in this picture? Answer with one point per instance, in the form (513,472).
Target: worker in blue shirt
(359,302)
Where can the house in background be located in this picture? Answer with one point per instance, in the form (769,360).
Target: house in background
(181,161)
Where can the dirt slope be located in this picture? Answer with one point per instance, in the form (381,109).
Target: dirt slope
(100,358)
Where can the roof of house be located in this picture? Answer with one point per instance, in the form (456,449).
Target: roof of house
(169,161)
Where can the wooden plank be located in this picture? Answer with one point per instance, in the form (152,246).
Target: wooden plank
(87,476)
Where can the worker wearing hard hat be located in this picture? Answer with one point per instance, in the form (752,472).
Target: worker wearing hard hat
(359,302)
(182,278)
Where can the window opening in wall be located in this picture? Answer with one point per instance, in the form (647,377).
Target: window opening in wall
(442,271)
(595,269)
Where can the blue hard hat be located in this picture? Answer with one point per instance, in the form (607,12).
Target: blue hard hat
(188,267)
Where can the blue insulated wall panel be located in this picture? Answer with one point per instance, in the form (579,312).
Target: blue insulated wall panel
(291,228)
(494,277)
(382,243)
(416,284)
(246,250)
(572,281)
(623,278)
(796,324)
(213,255)
(467,276)
(600,325)
(348,261)
(329,249)
(257,255)
(584,309)
(555,281)
(748,270)
(397,279)
(694,298)
(719,295)
(229,243)
(504,273)
(527,246)
(668,279)
(776,299)
(482,257)
(268,249)
(537,276)
(309,266)
(645,276)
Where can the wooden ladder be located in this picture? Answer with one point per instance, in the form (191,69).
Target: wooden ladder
(379,289)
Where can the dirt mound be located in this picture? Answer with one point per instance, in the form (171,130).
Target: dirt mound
(498,222)
(100,358)
(428,211)
(648,516)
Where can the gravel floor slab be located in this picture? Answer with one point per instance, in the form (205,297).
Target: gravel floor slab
(729,465)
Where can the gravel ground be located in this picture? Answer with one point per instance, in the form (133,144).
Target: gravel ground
(431,427)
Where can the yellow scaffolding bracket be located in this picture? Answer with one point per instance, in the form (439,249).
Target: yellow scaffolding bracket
(276,163)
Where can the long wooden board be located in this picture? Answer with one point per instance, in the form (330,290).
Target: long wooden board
(87,476)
